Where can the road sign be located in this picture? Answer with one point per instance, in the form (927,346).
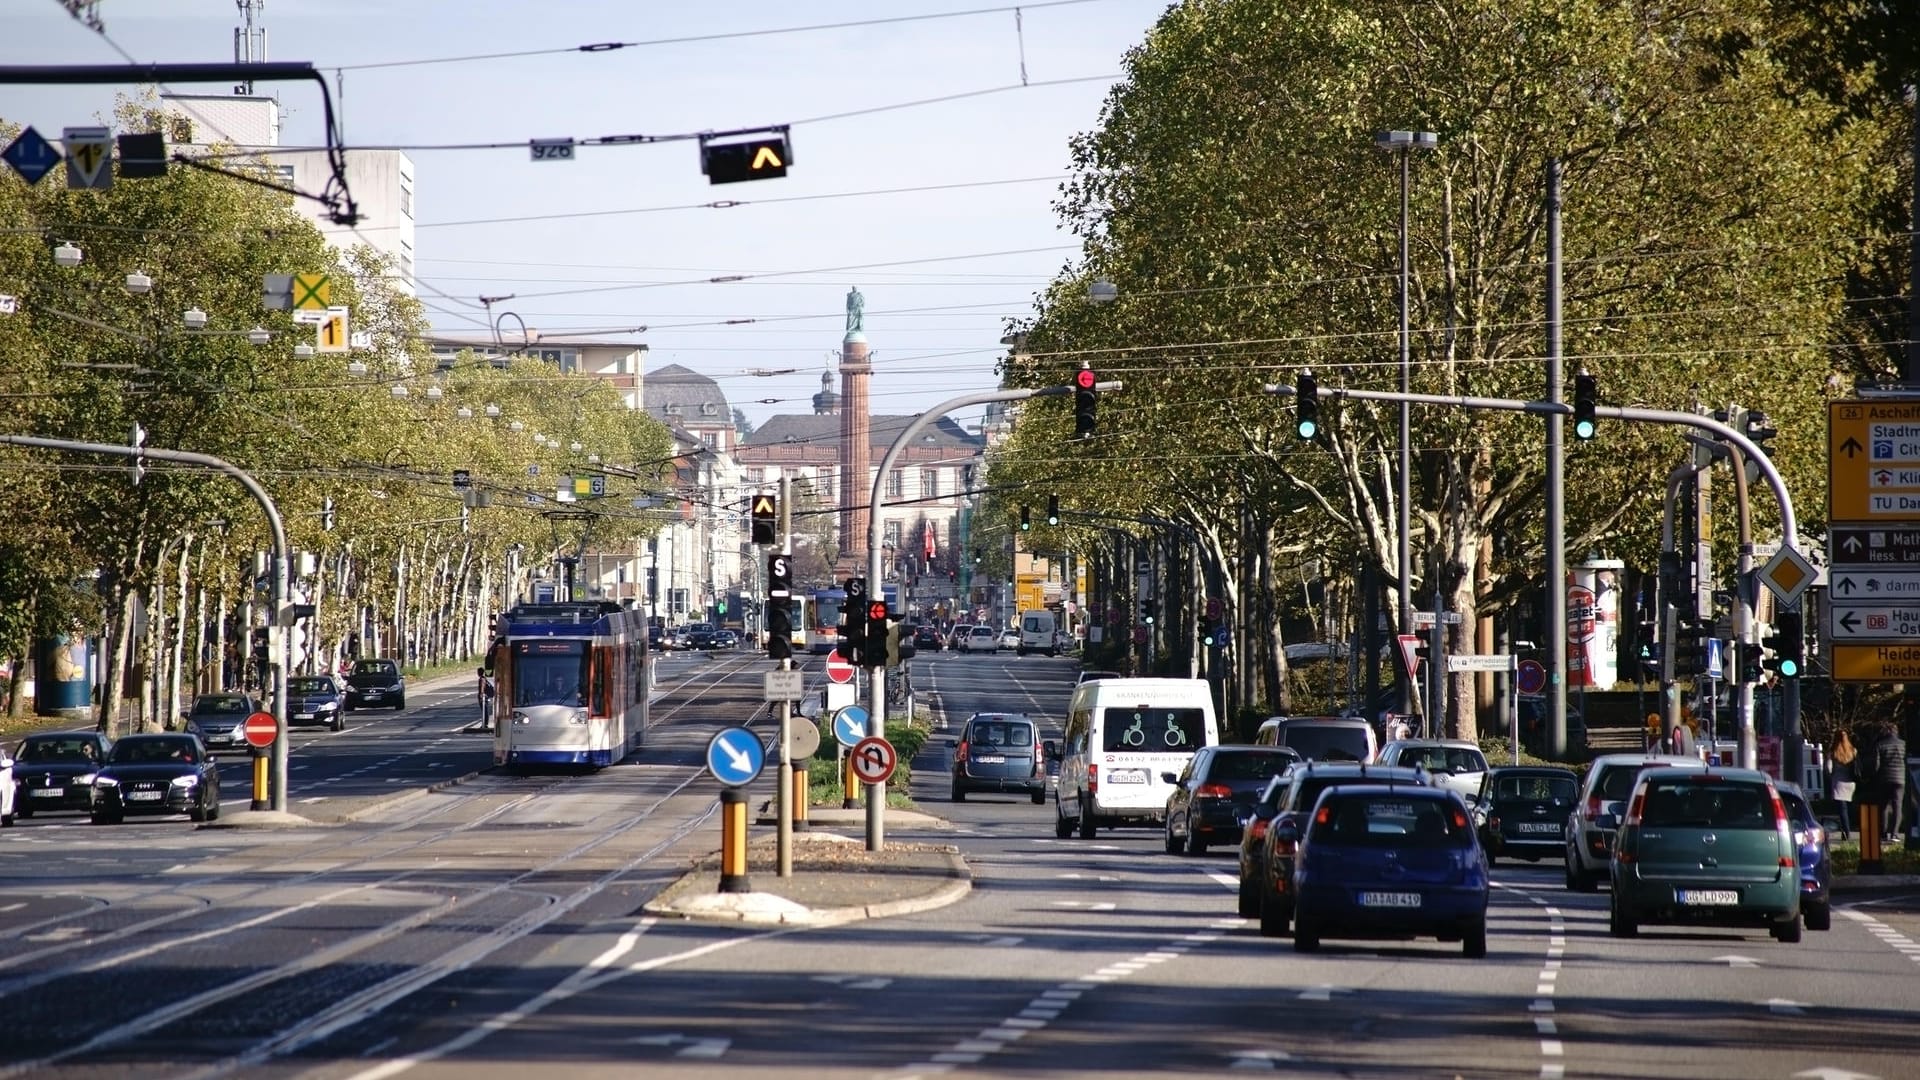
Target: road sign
(261,729)
(31,155)
(873,760)
(1410,652)
(1873,461)
(1868,622)
(850,725)
(783,686)
(312,292)
(838,670)
(1213,607)
(1532,677)
(837,696)
(88,156)
(1868,545)
(9,304)
(803,737)
(1857,585)
(1715,669)
(1497,662)
(332,336)
(735,756)
(551,149)
(1425,618)
(1788,574)
(1876,663)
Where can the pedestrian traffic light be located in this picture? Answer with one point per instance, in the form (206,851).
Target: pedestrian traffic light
(326,514)
(765,515)
(1750,662)
(1788,643)
(875,652)
(1206,635)
(1026,520)
(1146,612)
(1083,402)
(1306,405)
(1053,509)
(1585,400)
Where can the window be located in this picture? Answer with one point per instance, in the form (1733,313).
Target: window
(406,260)
(1146,730)
(929,483)
(896,485)
(406,196)
(756,476)
(893,534)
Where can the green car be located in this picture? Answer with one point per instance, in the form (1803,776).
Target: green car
(1711,848)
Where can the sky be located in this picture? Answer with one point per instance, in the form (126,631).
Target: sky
(942,271)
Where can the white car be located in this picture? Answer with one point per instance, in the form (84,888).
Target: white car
(1010,639)
(7,792)
(981,639)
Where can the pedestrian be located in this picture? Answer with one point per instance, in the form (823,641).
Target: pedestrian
(485,694)
(1890,768)
(1843,757)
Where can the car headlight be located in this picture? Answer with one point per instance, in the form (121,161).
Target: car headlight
(185,781)
(105,781)
(327,706)
(85,778)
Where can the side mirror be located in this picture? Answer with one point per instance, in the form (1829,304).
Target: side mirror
(1171,778)
(1051,749)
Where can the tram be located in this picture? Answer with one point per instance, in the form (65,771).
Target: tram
(823,621)
(570,684)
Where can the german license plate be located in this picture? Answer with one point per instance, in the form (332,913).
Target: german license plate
(303,716)
(991,759)
(373,693)
(143,796)
(1707,897)
(1390,899)
(1536,827)
(1127,776)
(49,792)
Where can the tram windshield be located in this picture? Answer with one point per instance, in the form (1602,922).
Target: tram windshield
(549,672)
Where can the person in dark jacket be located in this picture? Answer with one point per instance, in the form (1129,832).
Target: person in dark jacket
(1890,776)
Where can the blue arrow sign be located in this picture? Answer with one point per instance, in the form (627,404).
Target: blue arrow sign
(735,756)
(31,155)
(850,725)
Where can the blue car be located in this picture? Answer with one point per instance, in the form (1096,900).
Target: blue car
(1389,861)
(1816,868)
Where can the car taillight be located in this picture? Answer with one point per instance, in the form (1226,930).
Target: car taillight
(1633,811)
(1593,807)
(1493,823)
(1779,808)
(1258,829)
(1093,778)
(1213,791)
(960,751)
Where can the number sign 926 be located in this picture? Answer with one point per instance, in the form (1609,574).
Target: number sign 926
(552,149)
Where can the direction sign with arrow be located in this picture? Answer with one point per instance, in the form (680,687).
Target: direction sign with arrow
(88,157)
(735,756)
(850,725)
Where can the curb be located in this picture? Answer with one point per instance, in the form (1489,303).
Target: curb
(1855,884)
(960,883)
(410,795)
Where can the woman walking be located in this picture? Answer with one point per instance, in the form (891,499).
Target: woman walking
(1842,785)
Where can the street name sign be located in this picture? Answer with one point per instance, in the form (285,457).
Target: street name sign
(1497,662)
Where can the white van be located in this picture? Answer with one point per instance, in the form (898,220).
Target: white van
(1121,734)
(1036,633)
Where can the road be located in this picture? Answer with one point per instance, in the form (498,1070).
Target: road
(493,929)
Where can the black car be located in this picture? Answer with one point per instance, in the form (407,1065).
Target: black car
(157,774)
(376,684)
(316,699)
(219,720)
(999,752)
(724,638)
(1215,792)
(658,640)
(926,636)
(1524,811)
(54,770)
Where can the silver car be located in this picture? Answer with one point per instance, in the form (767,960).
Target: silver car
(1597,813)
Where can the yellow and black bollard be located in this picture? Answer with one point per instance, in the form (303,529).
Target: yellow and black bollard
(1870,838)
(262,797)
(849,784)
(733,841)
(802,793)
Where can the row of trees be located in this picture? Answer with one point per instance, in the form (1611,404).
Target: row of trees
(399,559)
(1734,232)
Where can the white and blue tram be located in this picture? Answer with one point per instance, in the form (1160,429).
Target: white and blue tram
(570,684)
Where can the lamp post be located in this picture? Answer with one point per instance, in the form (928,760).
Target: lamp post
(1406,142)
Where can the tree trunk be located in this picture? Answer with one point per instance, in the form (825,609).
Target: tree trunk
(120,638)
(172,691)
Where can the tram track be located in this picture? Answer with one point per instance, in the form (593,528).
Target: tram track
(355,1004)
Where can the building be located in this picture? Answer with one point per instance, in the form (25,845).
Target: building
(698,559)
(618,363)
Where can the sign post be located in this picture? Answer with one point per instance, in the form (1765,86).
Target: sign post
(261,730)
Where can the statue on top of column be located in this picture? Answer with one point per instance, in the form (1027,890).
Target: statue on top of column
(856,311)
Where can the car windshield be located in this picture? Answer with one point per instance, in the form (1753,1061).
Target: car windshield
(1616,782)
(309,686)
(1447,759)
(1390,821)
(50,751)
(222,705)
(1707,804)
(1326,742)
(1000,733)
(138,751)
(1556,788)
(373,667)
(1154,729)
(1248,765)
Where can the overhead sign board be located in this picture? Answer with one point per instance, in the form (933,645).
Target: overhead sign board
(1876,663)
(1867,545)
(1873,461)
(1861,585)
(1894,623)
(88,155)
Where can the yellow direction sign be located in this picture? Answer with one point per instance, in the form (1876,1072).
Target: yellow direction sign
(312,292)
(1876,663)
(1873,461)
(332,336)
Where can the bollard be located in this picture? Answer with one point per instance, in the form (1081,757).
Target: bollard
(733,841)
(262,799)
(1870,838)
(801,794)
(849,784)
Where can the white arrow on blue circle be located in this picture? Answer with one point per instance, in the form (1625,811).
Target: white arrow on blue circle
(850,725)
(735,756)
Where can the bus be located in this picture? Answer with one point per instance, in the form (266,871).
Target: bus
(570,684)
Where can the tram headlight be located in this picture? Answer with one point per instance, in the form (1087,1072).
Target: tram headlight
(522,718)
(579,716)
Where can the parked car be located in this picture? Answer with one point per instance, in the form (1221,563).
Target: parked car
(1306,782)
(54,770)
(1000,752)
(1596,814)
(1321,738)
(1215,791)
(1378,861)
(1705,847)
(1816,863)
(957,637)
(982,639)
(157,774)
(316,699)
(1453,763)
(1523,810)
(926,636)
(219,720)
(374,684)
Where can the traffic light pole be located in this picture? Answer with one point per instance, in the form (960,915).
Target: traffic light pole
(784,786)
(876,568)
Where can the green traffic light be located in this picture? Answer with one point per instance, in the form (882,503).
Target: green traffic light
(1308,429)
(1789,667)
(1583,429)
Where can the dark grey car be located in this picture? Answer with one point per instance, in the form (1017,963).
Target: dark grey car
(999,752)
(316,699)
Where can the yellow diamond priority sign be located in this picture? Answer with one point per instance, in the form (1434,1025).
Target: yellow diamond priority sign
(1788,574)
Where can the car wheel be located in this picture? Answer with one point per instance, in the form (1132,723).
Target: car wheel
(1473,941)
(213,812)
(1173,843)
(1196,844)
(1306,936)
(1086,819)
(1040,797)
(1062,824)
(196,814)
(1619,924)
(1787,933)
(1818,916)
(1274,916)
(959,794)
(102,818)
(1579,880)
(25,812)
(400,704)
(339,723)
(1249,903)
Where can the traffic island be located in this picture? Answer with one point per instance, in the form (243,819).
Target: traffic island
(835,880)
(262,819)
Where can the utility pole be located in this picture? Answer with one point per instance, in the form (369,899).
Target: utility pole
(1555,632)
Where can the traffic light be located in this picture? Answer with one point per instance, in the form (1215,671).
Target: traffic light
(1788,643)
(1689,652)
(1306,405)
(779,608)
(899,644)
(753,159)
(1585,399)
(853,621)
(1750,663)
(766,517)
(1207,637)
(1760,431)
(875,652)
(1053,509)
(326,514)
(260,645)
(1026,520)
(1083,401)
(1146,612)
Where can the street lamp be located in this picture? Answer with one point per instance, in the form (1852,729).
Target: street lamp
(138,282)
(194,318)
(355,367)
(303,351)
(259,335)
(493,411)
(463,413)
(1406,142)
(399,391)
(66,254)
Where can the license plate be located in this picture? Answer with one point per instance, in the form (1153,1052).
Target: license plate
(1708,897)
(1127,776)
(303,716)
(991,759)
(143,796)
(1536,827)
(371,693)
(1390,899)
(49,792)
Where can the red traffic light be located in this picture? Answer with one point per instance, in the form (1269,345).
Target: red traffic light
(877,610)
(1084,378)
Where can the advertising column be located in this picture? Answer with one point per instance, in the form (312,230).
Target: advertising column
(1593,624)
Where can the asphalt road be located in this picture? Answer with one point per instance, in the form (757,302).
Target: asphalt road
(492,929)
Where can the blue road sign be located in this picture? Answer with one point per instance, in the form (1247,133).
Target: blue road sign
(1714,668)
(31,155)
(735,756)
(850,725)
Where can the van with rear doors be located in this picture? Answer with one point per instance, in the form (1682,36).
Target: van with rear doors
(1121,737)
(1036,633)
